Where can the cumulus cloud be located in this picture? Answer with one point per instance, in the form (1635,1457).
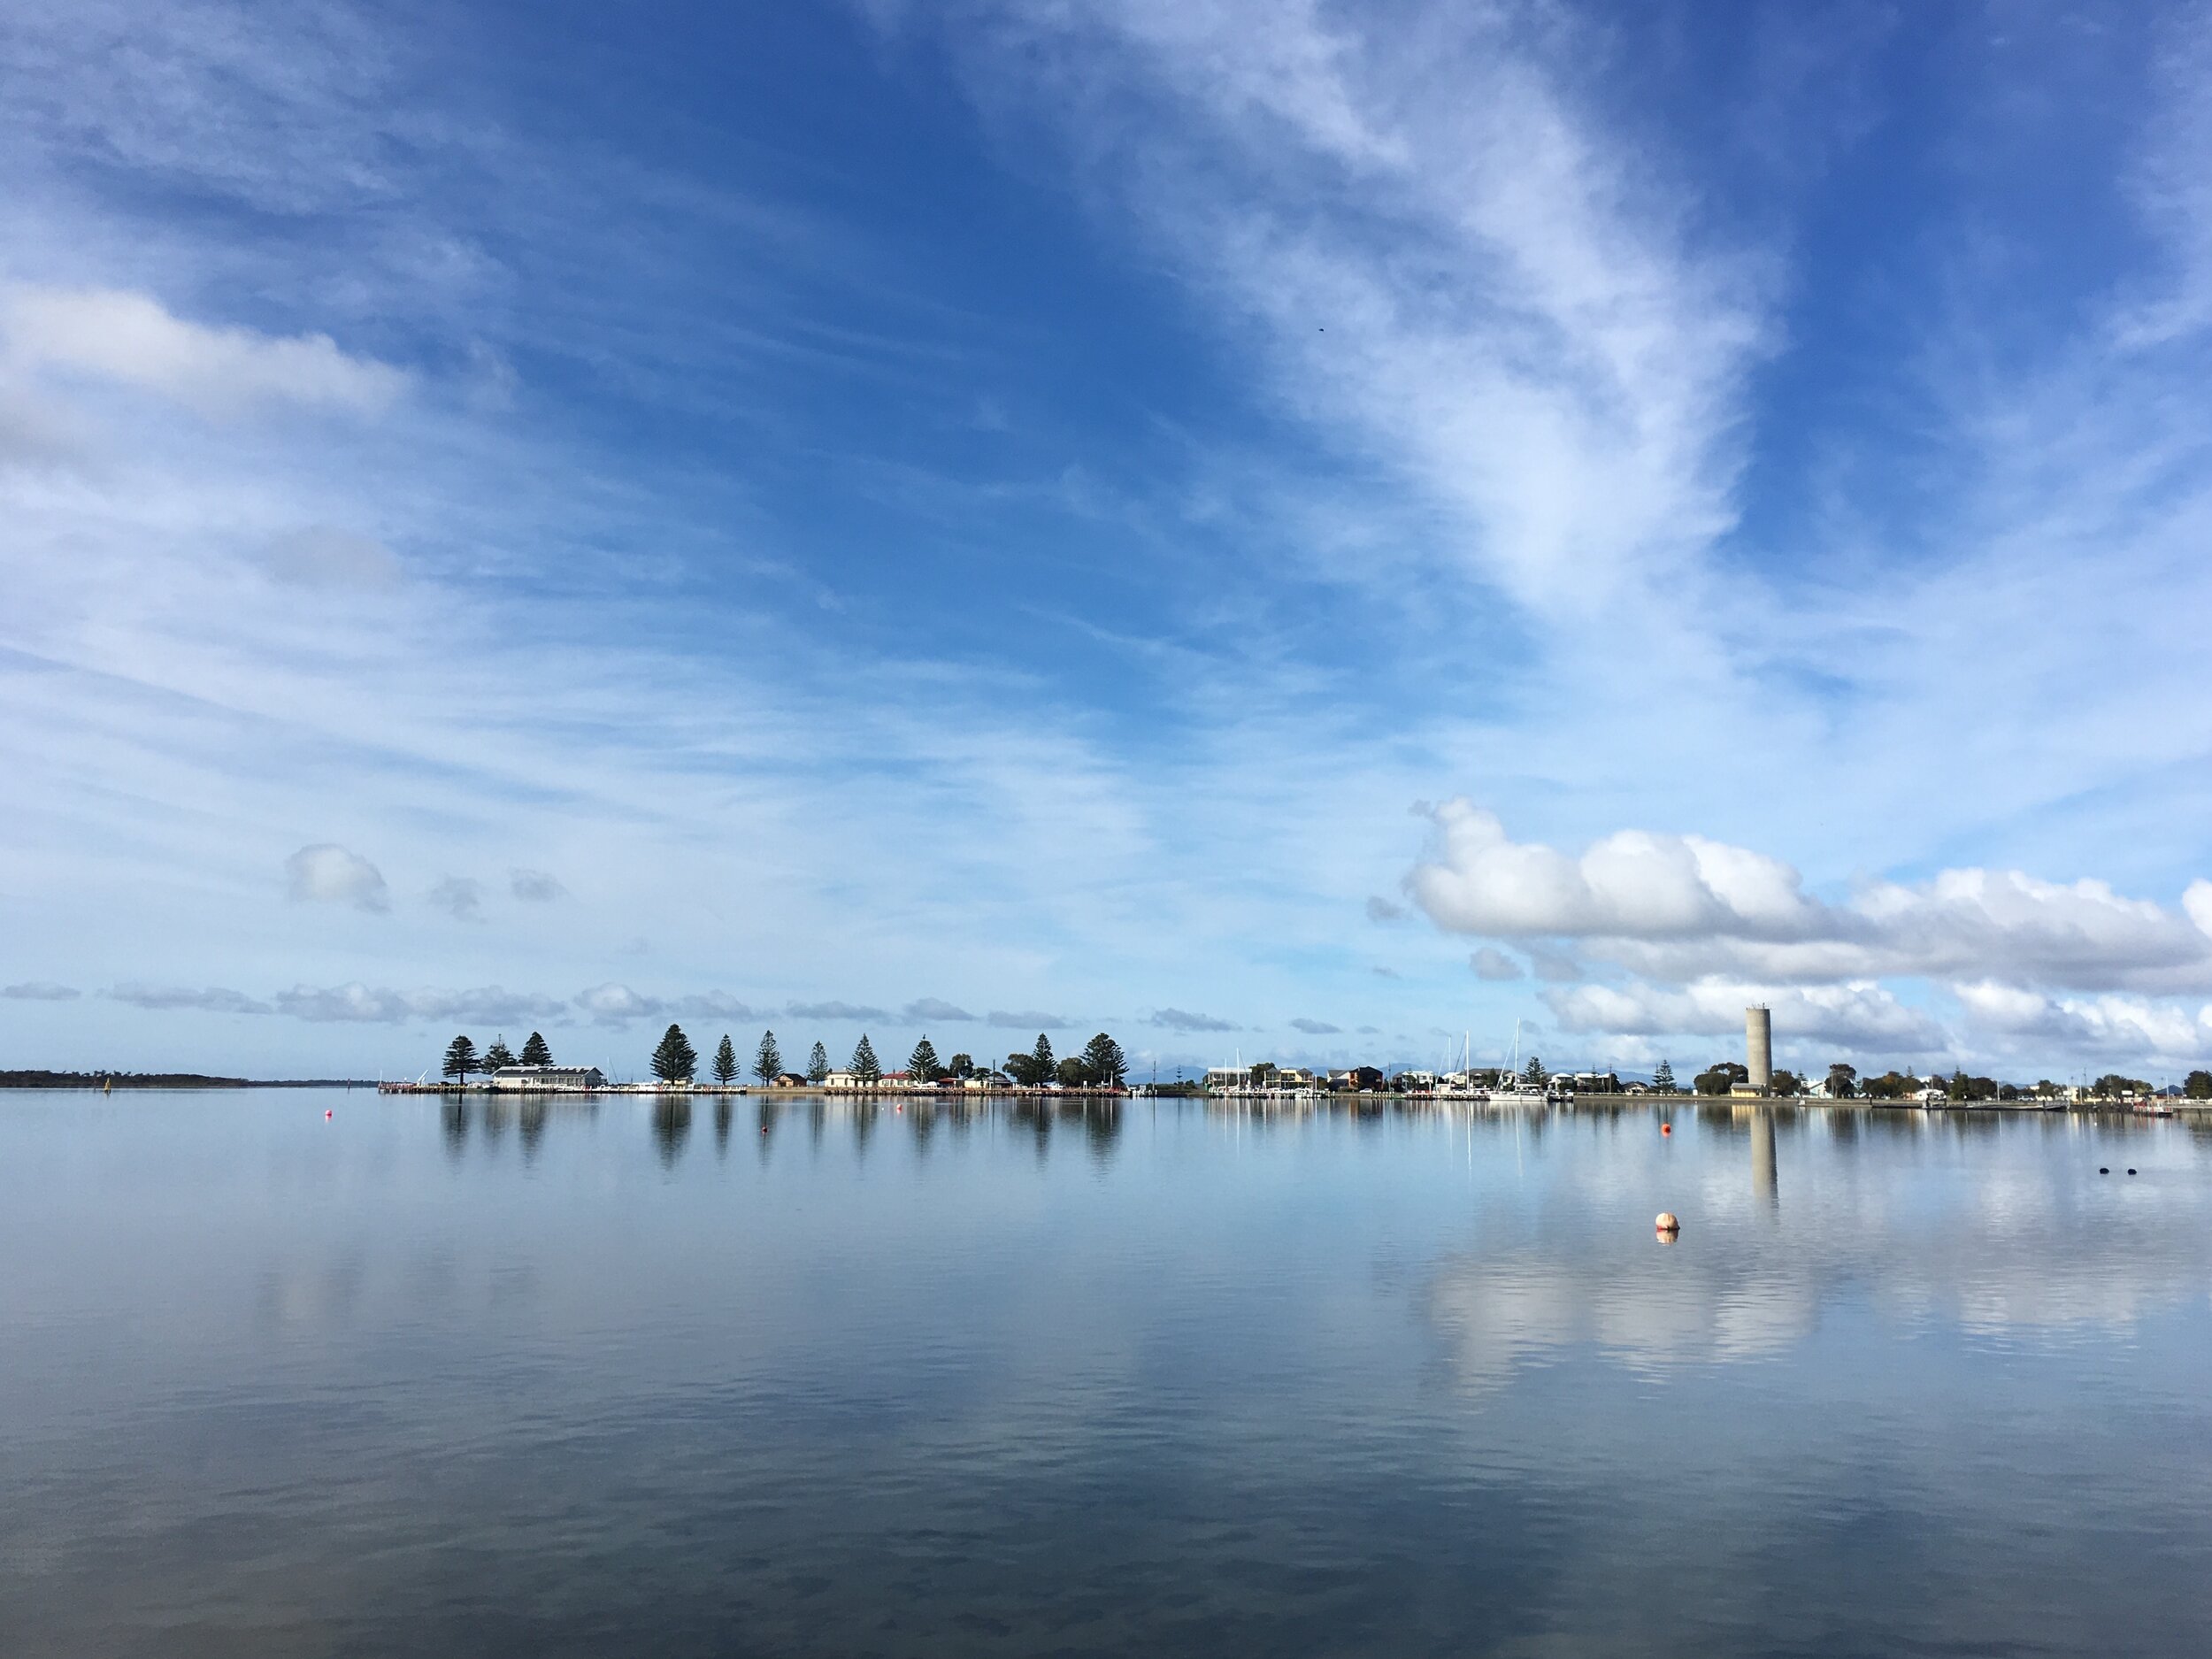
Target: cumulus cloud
(1179,1019)
(536,886)
(356,1003)
(327,873)
(2118,1025)
(131,338)
(209,1000)
(1316,1027)
(1492,964)
(459,897)
(1678,907)
(1859,1015)
(321,557)
(1026,1019)
(612,1005)
(930,1008)
(834,1011)
(39,990)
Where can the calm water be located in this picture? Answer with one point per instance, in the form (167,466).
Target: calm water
(601,1378)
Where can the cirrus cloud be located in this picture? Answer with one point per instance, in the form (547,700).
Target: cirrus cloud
(133,340)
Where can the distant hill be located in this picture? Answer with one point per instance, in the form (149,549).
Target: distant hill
(166,1079)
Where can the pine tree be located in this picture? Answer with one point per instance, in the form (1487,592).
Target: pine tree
(497,1055)
(1041,1060)
(536,1053)
(1662,1080)
(1533,1074)
(767,1063)
(817,1065)
(674,1059)
(460,1059)
(922,1065)
(1104,1065)
(865,1070)
(726,1061)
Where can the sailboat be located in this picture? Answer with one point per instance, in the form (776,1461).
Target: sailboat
(1515,1092)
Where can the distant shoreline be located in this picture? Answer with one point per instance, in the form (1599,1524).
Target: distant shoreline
(99,1081)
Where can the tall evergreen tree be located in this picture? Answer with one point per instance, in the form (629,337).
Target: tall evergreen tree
(674,1059)
(922,1065)
(767,1063)
(1104,1065)
(460,1059)
(726,1061)
(865,1070)
(1662,1080)
(536,1053)
(1041,1060)
(1533,1074)
(817,1065)
(497,1055)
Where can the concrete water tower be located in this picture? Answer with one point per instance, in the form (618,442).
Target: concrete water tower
(1758,1041)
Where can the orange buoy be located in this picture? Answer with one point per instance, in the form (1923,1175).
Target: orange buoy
(1666,1129)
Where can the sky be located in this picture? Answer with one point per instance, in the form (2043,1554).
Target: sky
(1271,529)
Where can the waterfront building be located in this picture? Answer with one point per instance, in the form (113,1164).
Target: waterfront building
(548,1077)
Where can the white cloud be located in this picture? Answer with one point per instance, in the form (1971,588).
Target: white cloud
(717,1005)
(133,339)
(1316,1027)
(931,1008)
(536,886)
(1677,908)
(1026,1019)
(2126,1028)
(1445,260)
(618,1005)
(835,1011)
(39,990)
(1859,1015)
(327,873)
(1382,909)
(360,1004)
(1179,1019)
(1493,964)
(209,999)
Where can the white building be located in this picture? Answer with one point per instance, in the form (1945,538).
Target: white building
(573,1078)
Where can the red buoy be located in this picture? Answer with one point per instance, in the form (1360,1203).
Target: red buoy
(1666,1129)
(325,1114)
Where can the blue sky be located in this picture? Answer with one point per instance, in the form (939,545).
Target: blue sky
(1278,529)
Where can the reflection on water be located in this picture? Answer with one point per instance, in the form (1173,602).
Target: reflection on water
(1095,1376)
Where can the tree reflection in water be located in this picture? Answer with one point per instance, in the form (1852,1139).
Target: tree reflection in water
(672,1127)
